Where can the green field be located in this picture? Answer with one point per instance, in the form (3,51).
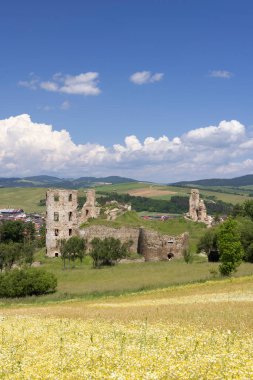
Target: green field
(25,198)
(28,198)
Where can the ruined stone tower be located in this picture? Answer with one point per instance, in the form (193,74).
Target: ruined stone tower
(61,218)
(197,208)
(90,209)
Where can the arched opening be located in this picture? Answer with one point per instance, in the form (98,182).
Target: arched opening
(56,254)
(170,256)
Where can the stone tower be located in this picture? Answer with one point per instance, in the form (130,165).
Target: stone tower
(61,218)
(194,204)
(90,209)
(197,209)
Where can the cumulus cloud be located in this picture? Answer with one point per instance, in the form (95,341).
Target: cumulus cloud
(220,74)
(143,77)
(81,84)
(28,148)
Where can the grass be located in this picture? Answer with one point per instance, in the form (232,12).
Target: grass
(25,198)
(85,282)
(28,198)
(175,226)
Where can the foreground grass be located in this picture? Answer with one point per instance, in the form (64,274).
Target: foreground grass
(87,283)
(200,331)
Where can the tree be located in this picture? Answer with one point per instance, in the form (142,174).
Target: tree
(248,208)
(10,253)
(12,231)
(108,251)
(29,232)
(72,249)
(230,247)
(188,256)
(208,244)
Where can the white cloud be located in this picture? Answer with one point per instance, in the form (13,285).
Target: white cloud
(221,74)
(28,148)
(81,84)
(65,105)
(143,77)
(225,133)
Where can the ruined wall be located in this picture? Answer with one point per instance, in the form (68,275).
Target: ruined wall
(62,222)
(152,245)
(124,234)
(156,247)
(197,209)
(194,204)
(90,209)
(61,218)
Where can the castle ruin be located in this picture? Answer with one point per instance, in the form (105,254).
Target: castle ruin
(63,221)
(61,218)
(197,209)
(90,208)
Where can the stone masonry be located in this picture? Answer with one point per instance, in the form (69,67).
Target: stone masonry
(90,209)
(61,218)
(124,234)
(62,222)
(156,247)
(197,208)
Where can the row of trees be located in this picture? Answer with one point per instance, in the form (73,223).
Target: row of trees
(106,251)
(232,241)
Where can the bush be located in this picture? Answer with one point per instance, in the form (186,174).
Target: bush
(26,282)
(108,251)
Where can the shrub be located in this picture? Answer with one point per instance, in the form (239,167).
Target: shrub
(26,282)
(108,251)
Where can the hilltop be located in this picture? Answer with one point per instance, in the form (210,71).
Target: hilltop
(246,180)
(67,183)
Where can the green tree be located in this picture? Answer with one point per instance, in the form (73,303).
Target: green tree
(42,236)
(29,232)
(248,208)
(108,251)
(10,253)
(188,256)
(12,231)
(208,244)
(230,247)
(72,249)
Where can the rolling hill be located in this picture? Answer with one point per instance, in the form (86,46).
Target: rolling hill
(246,180)
(50,181)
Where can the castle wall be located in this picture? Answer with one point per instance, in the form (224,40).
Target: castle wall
(124,234)
(61,218)
(156,247)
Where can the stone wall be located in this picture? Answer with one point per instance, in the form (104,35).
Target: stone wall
(90,208)
(61,218)
(152,245)
(156,247)
(124,234)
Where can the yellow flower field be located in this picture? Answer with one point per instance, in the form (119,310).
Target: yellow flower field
(185,333)
(38,348)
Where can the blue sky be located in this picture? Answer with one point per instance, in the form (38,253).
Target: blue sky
(105,70)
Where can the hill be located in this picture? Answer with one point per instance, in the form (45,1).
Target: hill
(66,183)
(246,180)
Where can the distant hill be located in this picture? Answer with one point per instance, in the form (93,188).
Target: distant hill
(246,180)
(50,181)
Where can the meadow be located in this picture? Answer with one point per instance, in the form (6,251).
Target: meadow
(194,331)
(28,198)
